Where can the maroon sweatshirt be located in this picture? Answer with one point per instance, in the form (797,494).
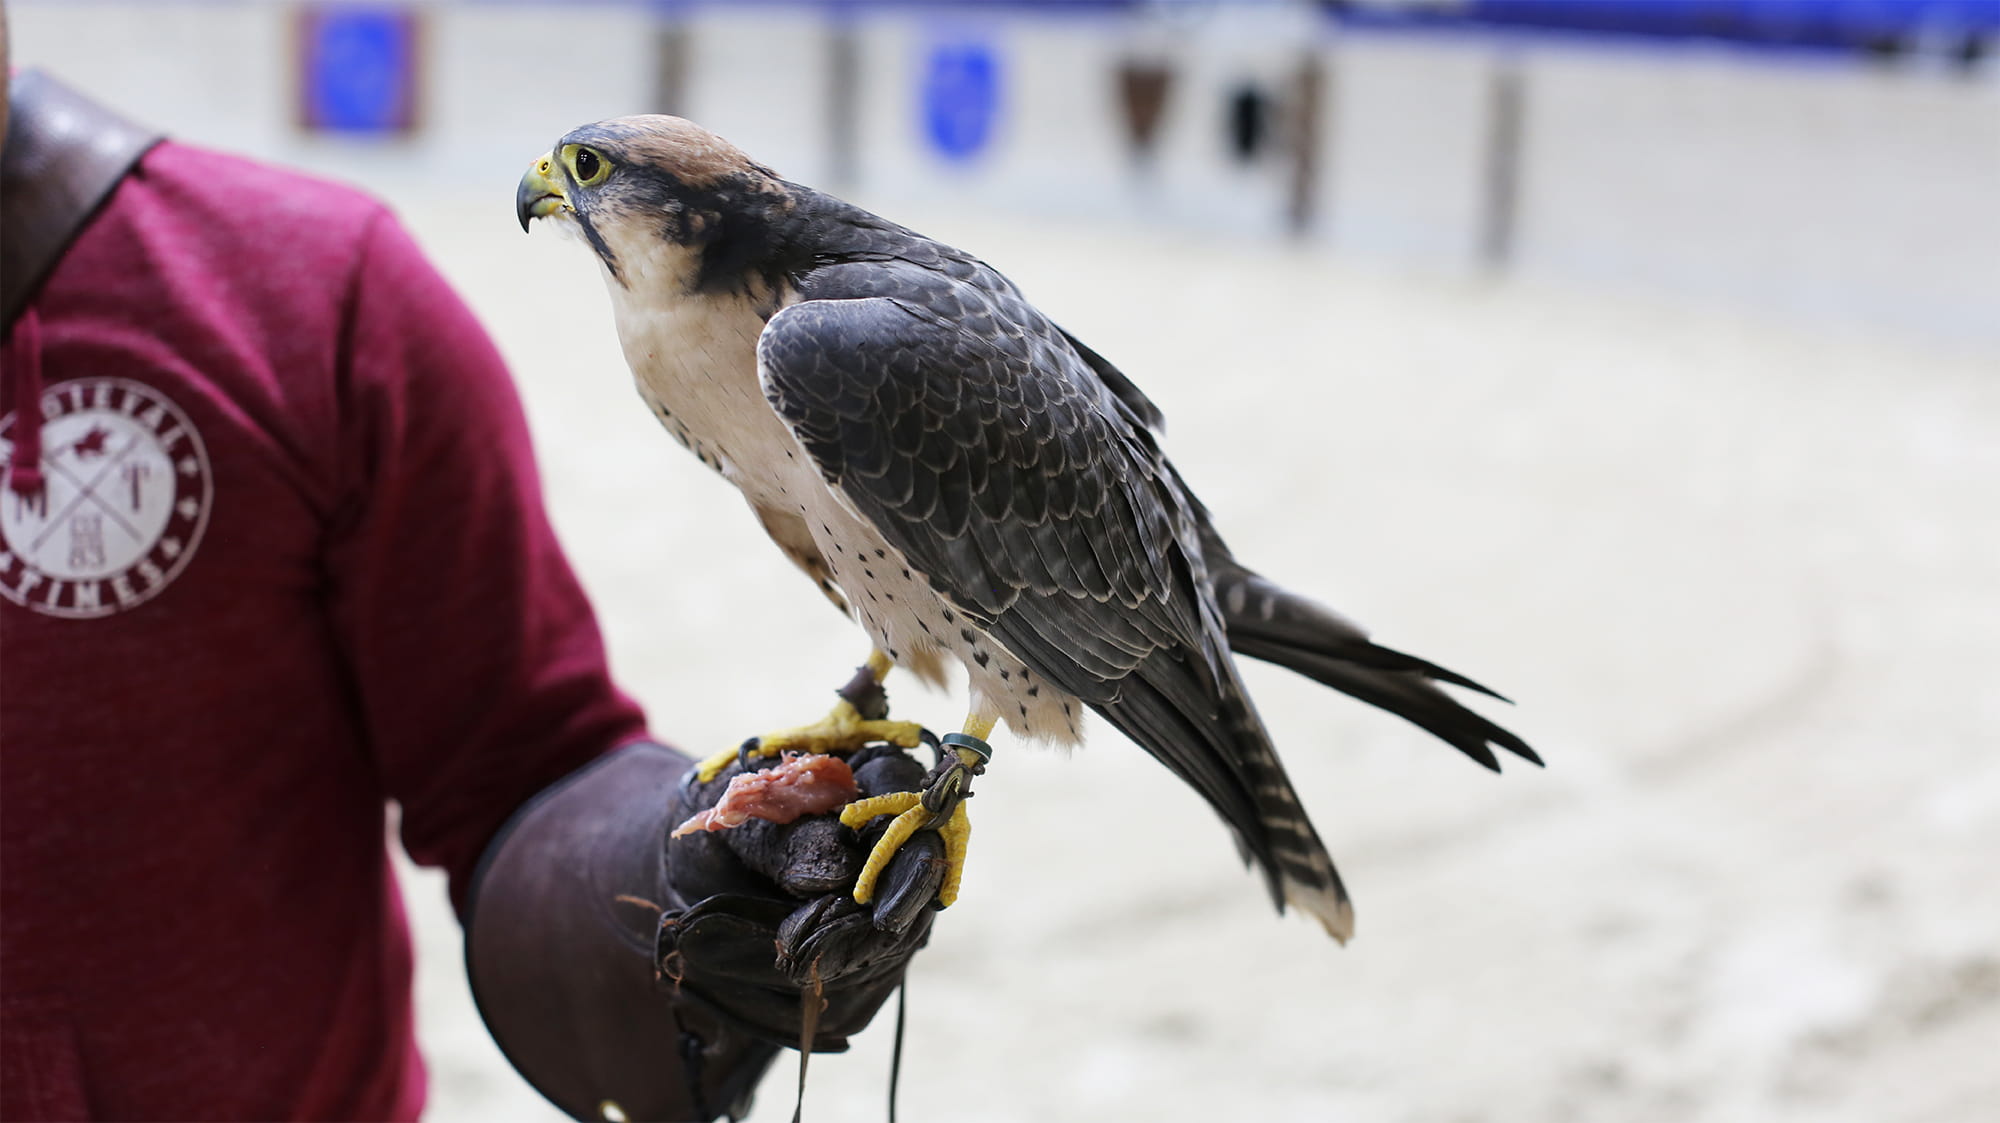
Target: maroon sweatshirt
(287,562)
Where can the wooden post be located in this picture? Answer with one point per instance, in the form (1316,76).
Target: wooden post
(1143,88)
(1506,108)
(671,59)
(1303,120)
(843,102)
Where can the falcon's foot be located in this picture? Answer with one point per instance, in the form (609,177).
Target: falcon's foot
(940,806)
(856,720)
(842,730)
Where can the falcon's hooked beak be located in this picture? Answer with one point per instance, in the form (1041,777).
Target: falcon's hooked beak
(539,194)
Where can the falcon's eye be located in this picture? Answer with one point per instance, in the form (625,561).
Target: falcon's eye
(590,168)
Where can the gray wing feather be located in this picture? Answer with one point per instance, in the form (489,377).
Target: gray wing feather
(988,449)
(1018,470)
(996,465)
(981,445)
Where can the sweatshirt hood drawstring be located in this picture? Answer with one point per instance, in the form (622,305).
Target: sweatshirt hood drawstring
(24,366)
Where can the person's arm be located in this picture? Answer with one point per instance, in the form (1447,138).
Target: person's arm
(478,669)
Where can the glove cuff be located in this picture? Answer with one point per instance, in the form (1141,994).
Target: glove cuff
(561,929)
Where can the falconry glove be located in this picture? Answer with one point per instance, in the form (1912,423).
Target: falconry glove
(789,886)
(600,951)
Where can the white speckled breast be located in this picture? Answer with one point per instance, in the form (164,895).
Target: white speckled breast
(695,362)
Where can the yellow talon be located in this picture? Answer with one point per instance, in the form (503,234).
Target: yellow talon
(957,833)
(841,730)
(907,823)
(911,817)
(855,815)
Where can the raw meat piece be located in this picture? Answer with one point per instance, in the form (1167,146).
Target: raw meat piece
(801,784)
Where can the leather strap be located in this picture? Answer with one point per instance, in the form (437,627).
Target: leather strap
(64,156)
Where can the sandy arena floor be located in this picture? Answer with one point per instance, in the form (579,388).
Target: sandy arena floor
(1743,580)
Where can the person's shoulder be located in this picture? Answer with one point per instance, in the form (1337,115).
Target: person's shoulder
(251,209)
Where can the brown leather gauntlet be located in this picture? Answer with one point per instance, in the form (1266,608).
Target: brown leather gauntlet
(615,967)
(560,933)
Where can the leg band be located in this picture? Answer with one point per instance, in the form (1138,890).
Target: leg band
(967,741)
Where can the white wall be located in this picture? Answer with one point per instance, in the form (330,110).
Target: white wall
(1831,192)
(499,88)
(759,76)
(1835,193)
(1404,133)
(504,84)
(1203,182)
(1055,143)
(213,73)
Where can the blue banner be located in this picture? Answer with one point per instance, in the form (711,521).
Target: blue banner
(960,97)
(358,69)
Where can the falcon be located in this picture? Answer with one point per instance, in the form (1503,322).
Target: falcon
(973,484)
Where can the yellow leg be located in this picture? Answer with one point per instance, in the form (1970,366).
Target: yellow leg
(842,729)
(912,816)
(879,664)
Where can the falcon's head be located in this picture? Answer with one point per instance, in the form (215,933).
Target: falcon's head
(662,201)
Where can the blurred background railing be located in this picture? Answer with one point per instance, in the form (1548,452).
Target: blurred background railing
(1836,159)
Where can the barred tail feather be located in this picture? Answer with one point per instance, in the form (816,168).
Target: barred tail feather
(1306,875)
(1212,739)
(1327,904)
(1270,623)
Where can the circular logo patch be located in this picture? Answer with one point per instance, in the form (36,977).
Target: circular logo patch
(125,498)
